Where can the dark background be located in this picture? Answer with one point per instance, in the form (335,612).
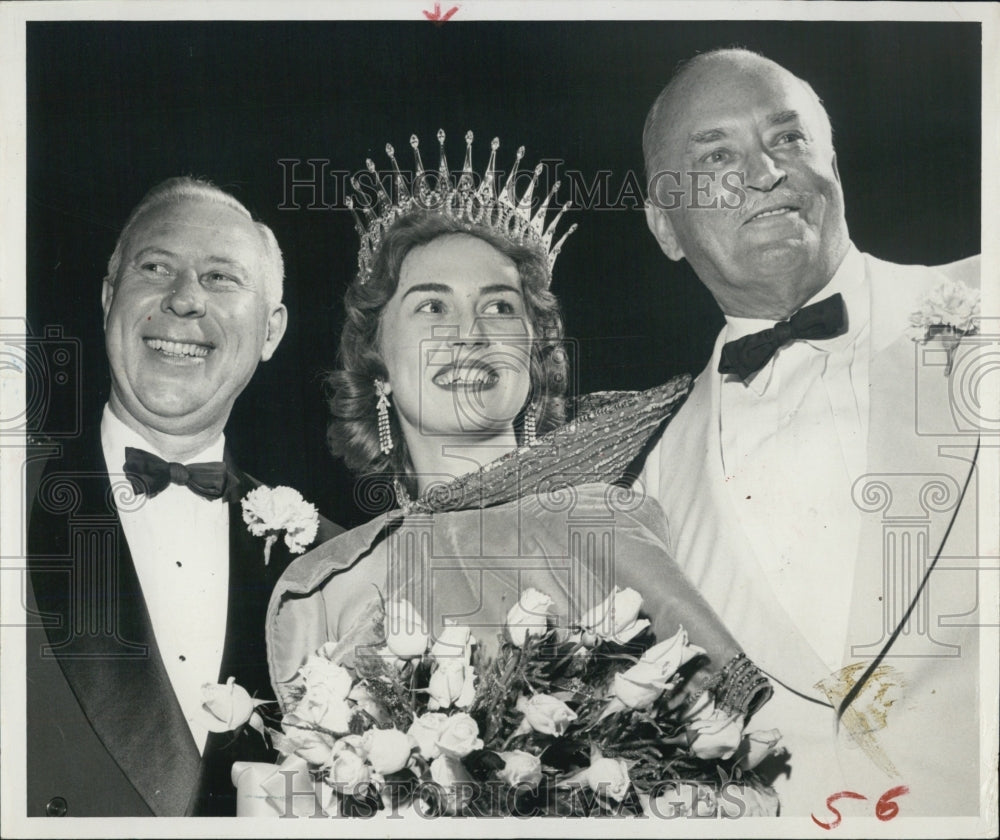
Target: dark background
(115,107)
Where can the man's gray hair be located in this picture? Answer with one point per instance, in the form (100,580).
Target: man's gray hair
(652,130)
(187,188)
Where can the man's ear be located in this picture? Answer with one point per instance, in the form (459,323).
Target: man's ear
(107,295)
(663,231)
(836,172)
(277,321)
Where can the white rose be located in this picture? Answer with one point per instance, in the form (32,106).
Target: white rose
(521,767)
(453,645)
(406,633)
(759,745)
(324,679)
(446,684)
(425,730)
(716,735)
(334,714)
(546,714)
(367,702)
(640,685)
(348,772)
(617,619)
(609,777)
(310,745)
(447,771)
(388,749)
(225,707)
(528,615)
(459,736)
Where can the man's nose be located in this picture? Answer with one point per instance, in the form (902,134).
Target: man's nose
(186,298)
(762,173)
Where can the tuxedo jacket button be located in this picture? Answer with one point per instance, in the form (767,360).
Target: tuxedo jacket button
(56,807)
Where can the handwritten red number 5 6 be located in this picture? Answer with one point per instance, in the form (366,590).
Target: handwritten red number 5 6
(885,808)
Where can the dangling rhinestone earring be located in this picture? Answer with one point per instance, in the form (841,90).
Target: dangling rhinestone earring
(529,425)
(382,409)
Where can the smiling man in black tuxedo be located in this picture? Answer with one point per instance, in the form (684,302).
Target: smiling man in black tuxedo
(147,580)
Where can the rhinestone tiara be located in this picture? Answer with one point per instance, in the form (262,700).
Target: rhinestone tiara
(499,211)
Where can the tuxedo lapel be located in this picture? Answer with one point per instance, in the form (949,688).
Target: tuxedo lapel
(104,642)
(244,656)
(918,458)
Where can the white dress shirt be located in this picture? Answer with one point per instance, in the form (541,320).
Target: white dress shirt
(794,439)
(179,543)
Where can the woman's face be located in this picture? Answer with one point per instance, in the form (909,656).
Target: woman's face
(456,340)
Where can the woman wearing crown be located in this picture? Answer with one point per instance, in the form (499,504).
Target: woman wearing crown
(452,385)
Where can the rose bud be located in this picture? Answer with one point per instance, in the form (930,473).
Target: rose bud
(446,684)
(528,615)
(609,777)
(225,707)
(716,735)
(406,633)
(545,713)
(617,619)
(759,745)
(521,767)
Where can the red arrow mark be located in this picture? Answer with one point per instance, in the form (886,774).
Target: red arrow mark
(437,17)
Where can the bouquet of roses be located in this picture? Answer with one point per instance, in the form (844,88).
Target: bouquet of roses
(592,718)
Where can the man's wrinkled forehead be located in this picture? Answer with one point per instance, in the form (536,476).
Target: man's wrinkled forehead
(709,99)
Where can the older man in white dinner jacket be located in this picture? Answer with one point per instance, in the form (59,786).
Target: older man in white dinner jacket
(806,498)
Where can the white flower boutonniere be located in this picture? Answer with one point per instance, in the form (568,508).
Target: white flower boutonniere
(269,510)
(948,313)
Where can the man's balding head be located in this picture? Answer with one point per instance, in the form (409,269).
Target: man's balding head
(743,182)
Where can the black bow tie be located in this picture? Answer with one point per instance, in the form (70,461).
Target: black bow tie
(747,355)
(150,474)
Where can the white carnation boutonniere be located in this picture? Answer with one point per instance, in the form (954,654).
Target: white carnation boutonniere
(268,511)
(949,313)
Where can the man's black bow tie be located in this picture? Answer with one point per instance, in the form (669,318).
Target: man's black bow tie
(150,474)
(747,355)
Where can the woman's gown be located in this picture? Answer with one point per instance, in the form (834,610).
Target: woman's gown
(544,517)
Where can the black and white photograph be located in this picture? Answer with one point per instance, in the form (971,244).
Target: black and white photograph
(496,419)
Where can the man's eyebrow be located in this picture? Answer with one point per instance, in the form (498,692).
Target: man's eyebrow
(153,250)
(783,117)
(157,251)
(709,135)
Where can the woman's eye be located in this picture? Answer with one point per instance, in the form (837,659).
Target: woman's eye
(433,307)
(499,307)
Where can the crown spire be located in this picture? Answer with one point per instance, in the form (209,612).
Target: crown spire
(401,189)
(443,172)
(503,213)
